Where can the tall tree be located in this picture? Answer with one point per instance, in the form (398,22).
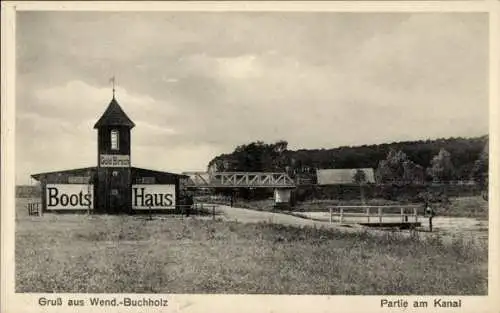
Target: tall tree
(253,157)
(480,169)
(442,169)
(413,173)
(391,170)
(399,169)
(360,179)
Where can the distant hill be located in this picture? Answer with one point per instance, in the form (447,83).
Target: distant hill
(259,156)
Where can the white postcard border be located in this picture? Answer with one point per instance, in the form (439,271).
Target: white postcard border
(12,302)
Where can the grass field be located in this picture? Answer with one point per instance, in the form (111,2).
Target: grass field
(79,253)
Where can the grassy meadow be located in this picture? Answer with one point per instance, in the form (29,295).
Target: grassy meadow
(132,254)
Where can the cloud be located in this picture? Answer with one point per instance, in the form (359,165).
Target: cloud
(58,130)
(241,67)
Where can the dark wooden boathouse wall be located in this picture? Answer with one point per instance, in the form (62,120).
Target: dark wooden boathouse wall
(137,176)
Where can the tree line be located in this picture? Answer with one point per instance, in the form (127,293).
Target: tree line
(409,162)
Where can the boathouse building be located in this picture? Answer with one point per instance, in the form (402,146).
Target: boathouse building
(113,186)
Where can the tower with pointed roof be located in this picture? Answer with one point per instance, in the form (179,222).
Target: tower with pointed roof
(113,159)
(113,186)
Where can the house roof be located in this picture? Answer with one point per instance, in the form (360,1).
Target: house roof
(114,116)
(342,176)
(75,171)
(136,171)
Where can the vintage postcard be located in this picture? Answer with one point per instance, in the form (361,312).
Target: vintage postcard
(250,156)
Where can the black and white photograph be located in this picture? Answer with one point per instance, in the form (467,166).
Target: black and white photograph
(240,152)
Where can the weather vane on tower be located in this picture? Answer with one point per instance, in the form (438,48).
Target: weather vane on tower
(112,80)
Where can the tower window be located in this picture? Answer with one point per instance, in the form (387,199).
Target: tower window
(115,139)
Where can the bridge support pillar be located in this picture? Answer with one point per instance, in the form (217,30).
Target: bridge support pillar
(282,197)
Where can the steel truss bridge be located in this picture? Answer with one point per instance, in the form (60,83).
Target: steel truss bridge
(238,179)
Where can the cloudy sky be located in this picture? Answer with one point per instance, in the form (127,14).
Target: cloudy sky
(198,84)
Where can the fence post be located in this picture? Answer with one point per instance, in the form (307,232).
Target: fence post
(341,214)
(415,212)
(380,215)
(213,212)
(331,219)
(368,214)
(402,215)
(39,207)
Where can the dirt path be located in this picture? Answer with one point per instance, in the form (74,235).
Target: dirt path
(252,216)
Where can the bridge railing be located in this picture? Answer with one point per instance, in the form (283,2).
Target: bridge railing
(252,179)
(240,179)
(375,214)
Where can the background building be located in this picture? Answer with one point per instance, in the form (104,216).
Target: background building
(343,176)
